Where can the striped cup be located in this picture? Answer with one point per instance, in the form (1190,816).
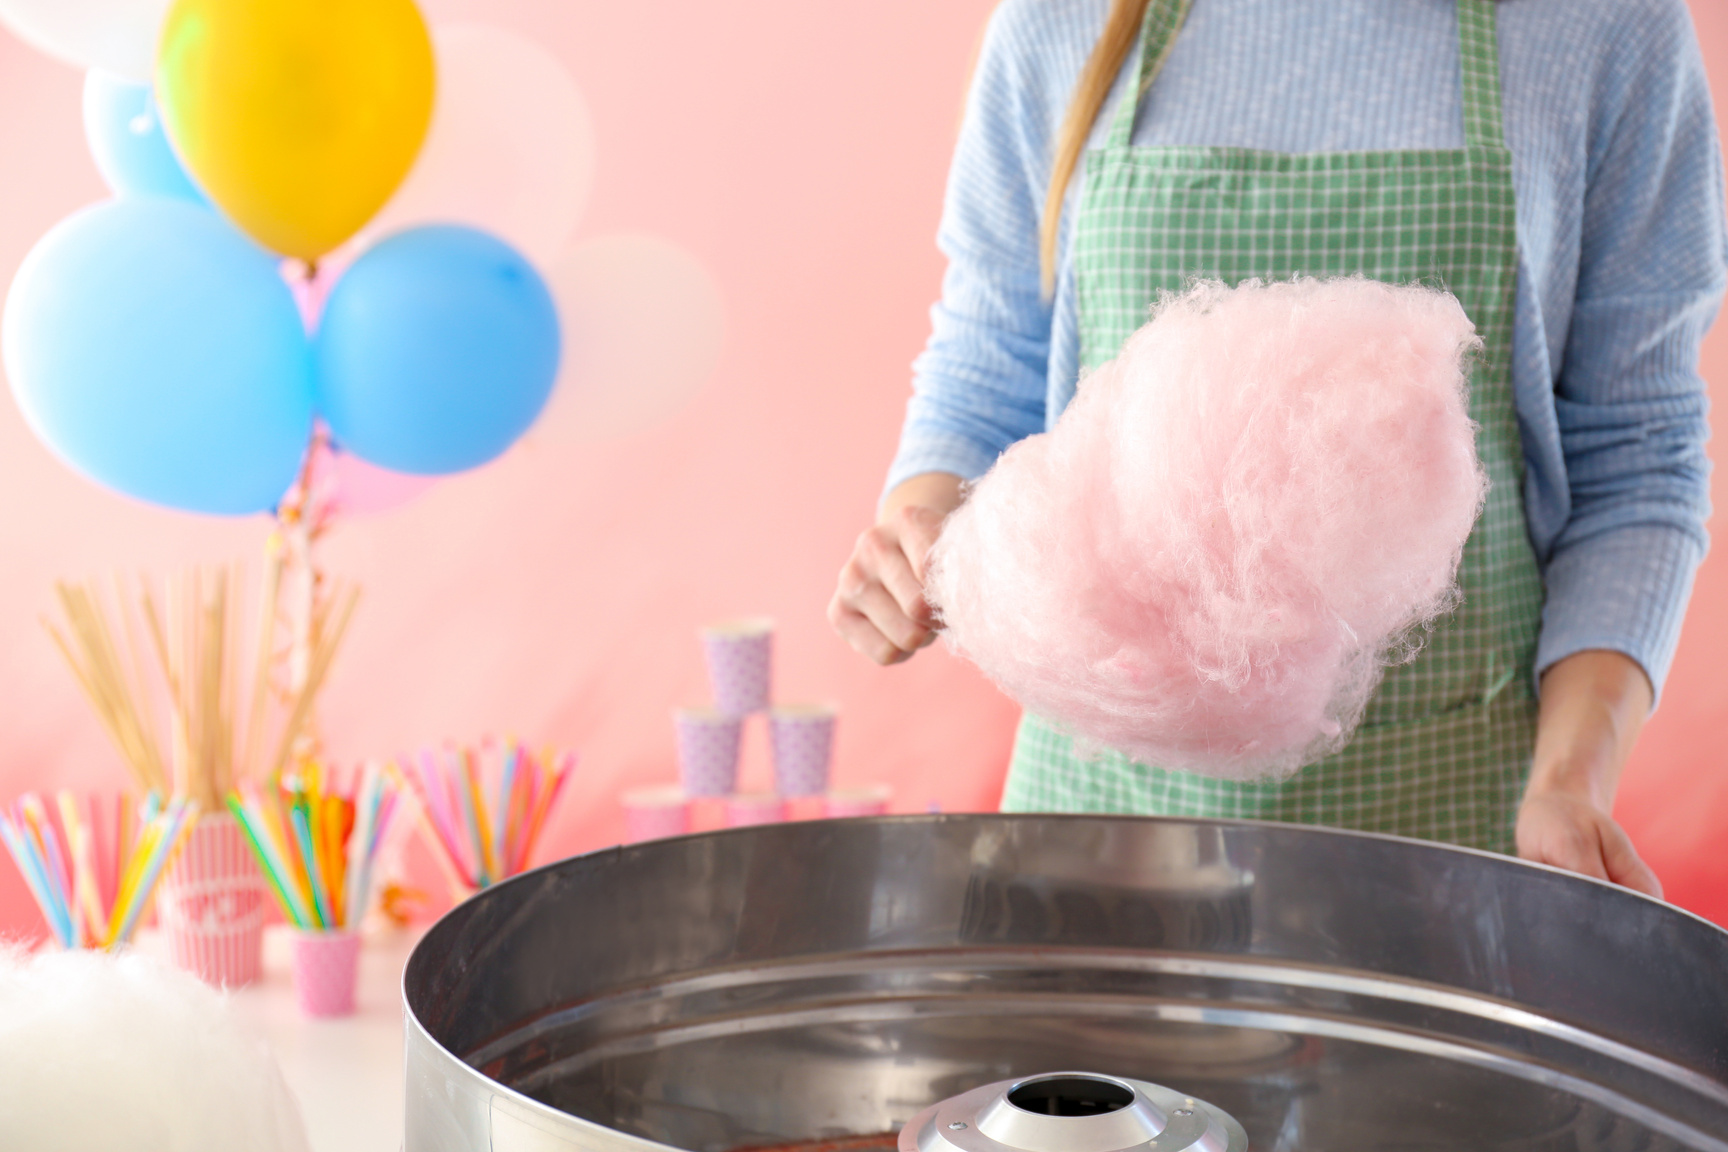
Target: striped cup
(211,904)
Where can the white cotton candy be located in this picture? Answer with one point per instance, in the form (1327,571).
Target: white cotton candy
(123,1053)
(1236,525)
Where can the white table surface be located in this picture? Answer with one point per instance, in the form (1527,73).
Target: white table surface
(346,1072)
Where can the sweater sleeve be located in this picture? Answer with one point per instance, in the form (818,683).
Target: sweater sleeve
(1631,407)
(979,384)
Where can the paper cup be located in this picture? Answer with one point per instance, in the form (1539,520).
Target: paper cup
(325,964)
(748,809)
(211,903)
(803,741)
(740,664)
(707,750)
(655,813)
(856,802)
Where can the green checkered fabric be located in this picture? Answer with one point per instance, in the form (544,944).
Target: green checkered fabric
(1446,743)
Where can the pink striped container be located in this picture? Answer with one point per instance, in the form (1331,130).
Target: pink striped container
(211,904)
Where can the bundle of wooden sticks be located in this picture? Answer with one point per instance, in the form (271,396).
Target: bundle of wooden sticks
(230,717)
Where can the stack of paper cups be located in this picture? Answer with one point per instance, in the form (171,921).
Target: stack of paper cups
(740,664)
(856,802)
(655,813)
(211,904)
(708,750)
(325,965)
(748,809)
(803,742)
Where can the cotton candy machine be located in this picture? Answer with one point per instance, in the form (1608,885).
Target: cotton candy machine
(823,985)
(1072,1112)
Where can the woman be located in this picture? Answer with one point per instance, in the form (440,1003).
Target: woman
(1553,162)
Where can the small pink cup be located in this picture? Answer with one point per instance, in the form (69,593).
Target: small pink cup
(751,808)
(325,964)
(655,813)
(802,737)
(740,664)
(708,750)
(856,802)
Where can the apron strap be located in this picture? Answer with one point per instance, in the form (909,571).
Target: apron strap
(1157,36)
(1478,54)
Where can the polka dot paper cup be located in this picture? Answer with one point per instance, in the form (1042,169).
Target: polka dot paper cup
(655,813)
(802,738)
(740,665)
(856,802)
(708,750)
(752,808)
(325,965)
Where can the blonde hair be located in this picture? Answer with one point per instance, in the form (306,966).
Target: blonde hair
(1121,31)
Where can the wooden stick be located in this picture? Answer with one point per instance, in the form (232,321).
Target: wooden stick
(213,619)
(141,683)
(325,642)
(264,657)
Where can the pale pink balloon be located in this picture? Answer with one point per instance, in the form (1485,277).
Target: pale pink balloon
(345,485)
(510,149)
(643,324)
(364,489)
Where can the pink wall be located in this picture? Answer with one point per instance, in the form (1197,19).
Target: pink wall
(799,151)
(1675,797)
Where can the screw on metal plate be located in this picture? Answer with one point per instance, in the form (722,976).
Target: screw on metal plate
(957,1125)
(1183,1112)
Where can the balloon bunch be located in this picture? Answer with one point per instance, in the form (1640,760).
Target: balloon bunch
(158,342)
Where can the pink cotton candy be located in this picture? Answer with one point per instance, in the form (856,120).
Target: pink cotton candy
(1235,527)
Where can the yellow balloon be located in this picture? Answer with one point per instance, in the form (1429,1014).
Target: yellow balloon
(297,117)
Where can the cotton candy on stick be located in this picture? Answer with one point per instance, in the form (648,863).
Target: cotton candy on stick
(1234,528)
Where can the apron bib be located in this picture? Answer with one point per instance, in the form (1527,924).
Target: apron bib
(1446,742)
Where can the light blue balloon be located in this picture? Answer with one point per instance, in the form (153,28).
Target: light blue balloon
(157,351)
(128,142)
(435,351)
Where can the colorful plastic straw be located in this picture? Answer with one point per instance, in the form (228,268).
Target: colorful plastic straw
(484,809)
(93,878)
(316,842)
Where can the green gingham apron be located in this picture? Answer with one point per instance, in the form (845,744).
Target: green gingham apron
(1446,742)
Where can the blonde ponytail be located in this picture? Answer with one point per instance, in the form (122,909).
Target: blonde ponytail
(1121,30)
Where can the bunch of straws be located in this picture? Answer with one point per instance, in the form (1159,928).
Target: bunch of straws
(476,842)
(91,877)
(316,842)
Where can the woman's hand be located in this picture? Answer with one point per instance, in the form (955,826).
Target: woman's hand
(1569,832)
(1594,704)
(879,605)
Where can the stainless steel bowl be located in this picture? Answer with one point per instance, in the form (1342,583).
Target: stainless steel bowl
(822,983)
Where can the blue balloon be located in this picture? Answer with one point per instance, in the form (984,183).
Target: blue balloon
(128,142)
(436,350)
(157,350)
